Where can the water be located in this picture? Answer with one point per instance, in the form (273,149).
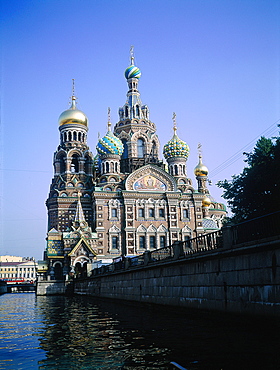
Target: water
(85,333)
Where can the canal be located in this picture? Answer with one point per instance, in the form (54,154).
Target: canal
(57,332)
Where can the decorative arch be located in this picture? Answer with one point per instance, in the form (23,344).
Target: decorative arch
(150,178)
(140,134)
(58,271)
(151,229)
(141,229)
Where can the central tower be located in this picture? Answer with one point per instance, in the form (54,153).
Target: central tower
(134,129)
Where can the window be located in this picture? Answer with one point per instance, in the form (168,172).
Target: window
(142,242)
(140,148)
(185,213)
(151,212)
(161,212)
(114,212)
(115,242)
(152,241)
(125,149)
(141,212)
(162,241)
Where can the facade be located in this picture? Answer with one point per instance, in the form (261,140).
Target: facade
(13,268)
(125,199)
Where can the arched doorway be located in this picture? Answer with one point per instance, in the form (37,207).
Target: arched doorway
(58,273)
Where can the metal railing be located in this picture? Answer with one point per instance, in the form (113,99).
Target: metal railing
(256,229)
(204,242)
(253,230)
(162,254)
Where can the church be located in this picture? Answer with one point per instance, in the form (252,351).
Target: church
(124,200)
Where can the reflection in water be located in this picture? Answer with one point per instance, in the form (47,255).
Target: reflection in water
(78,334)
(84,333)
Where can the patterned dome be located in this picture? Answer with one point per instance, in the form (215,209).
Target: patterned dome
(176,148)
(132,72)
(110,144)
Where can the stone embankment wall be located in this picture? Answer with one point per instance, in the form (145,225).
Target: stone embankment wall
(244,280)
(54,287)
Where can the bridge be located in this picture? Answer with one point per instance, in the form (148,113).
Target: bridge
(20,286)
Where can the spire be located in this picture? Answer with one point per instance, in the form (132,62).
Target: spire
(109,119)
(132,55)
(174,123)
(201,173)
(79,217)
(73,97)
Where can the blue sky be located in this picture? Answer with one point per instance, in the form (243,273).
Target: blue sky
(214,63)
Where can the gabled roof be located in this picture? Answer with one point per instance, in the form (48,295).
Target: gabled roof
(78,245)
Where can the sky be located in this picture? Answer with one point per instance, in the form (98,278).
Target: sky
(214,63)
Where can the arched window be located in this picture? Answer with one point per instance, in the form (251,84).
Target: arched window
(115,242)
(75,163)
(79,136)
(154,149)
(125,149)
(142,242)
(62,164)
(87,168)
(162,241)
(126,112)
(137,111)
(75,136)
(140,148)
(152,241)
(107,167)
(70,136)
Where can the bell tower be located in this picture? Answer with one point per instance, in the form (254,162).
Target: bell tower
(134,129)
(73,164)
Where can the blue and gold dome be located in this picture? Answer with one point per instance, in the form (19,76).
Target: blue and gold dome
(176,147)
(110,144)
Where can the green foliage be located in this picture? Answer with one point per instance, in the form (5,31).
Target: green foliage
(256,191)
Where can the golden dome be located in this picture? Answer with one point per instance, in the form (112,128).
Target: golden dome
(200,169)
(206,201)
(73,116)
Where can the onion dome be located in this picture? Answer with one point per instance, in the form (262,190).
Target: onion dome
(73,116)
(206,201)
(176,147)
(110,144)
(132,71)
(201,169)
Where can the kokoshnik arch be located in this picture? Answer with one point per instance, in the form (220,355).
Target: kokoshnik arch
(125,199)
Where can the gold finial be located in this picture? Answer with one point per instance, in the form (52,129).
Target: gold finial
(73,87)
(174,123)
(109,119)
(73,97)
(199,146)
(132,55)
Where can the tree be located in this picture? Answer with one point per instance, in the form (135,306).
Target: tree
(256,191)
